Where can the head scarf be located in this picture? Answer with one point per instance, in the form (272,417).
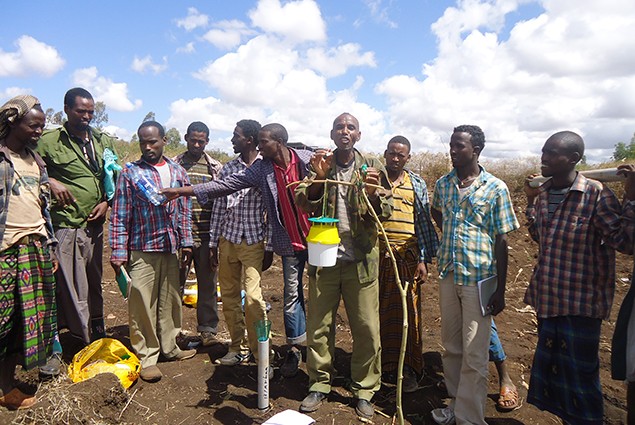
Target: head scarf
(14,110)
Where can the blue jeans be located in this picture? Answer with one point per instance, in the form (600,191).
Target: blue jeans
(496,352)
(294,311)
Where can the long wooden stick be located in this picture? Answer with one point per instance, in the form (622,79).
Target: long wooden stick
(403,291)
(403,287)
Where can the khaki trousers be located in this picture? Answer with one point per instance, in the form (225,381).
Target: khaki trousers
(362,308)
(154,305)
(465,335)
(240,267)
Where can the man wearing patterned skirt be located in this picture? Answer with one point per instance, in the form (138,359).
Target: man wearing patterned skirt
(413,242)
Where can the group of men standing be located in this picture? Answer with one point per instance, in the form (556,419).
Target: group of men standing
(229,220)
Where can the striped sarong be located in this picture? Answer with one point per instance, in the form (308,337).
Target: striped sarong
(565,375)
(28,319)
(390,311)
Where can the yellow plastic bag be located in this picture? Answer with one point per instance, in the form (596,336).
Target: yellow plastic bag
(190,295)
(106,355)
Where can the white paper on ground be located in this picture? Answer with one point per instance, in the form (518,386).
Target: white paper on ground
(289,417)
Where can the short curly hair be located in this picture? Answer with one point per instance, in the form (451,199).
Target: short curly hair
(478,137)
(250,128)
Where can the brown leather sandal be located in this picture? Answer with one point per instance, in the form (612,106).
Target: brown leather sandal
(16,399)
(508,399)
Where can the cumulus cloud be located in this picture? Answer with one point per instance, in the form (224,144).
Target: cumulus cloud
(297,21)
(10,92)
(114,95)
(145,64)
(31,57)
(193,20)
(227,34)
(310,125)
(337,60)
(558,70)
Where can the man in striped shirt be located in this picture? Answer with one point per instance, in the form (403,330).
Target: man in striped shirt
(476,213)
(413,242)
(578,224)
(201,168)
(145,238)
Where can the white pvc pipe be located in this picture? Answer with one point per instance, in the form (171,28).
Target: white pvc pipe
(603,175)
(263,374)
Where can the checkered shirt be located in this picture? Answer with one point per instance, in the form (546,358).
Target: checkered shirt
(471,224)
(240,215)
(575,272)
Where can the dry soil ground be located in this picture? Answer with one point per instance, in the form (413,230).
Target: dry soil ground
(197,391)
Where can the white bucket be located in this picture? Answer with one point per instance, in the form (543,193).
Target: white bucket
(321,255)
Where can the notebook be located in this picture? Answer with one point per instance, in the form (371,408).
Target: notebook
(123,281)
(486,289)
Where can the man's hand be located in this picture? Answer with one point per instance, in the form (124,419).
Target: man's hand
(497,302)
(174,192)
(213,258)
(117,265)
(421,272)
(98,212)
(321,163)
(61,194)
(186,257)
(267,260)
(372,177)
(531,192)
(628,170)
(54,260)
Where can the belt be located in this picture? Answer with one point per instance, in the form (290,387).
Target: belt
(25,240)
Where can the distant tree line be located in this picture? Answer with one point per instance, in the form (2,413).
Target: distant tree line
(623,151)
(100,119)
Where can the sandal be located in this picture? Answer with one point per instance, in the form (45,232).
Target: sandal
(16,399)
(508,399)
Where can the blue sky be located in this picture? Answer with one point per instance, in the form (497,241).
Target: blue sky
(520,69)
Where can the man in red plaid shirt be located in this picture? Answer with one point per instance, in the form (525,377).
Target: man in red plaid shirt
(146,238)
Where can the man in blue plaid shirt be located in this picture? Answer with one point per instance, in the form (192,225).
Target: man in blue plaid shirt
(476,213)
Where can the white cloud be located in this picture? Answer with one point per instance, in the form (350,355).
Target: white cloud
(380,12)
(31,57)
(11,92)
(234,73)
(114,95)
(559,70)
(337,60)
(309,124)
(193,20)
(145,64)
(227,34)
(188,48)
(118,132)
(296,21)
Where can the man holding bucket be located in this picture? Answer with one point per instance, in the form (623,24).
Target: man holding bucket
(354,277)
